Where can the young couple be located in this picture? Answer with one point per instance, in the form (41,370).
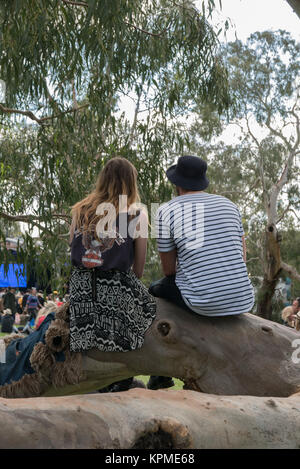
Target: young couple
(201,244)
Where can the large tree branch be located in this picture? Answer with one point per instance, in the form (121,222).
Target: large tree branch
(35,221)
(18,111)
(279,135)
(37,119)
(31,221)
(290,270)
(33,218)
(295,4)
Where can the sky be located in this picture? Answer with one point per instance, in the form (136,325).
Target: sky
(244,17)
(248,16)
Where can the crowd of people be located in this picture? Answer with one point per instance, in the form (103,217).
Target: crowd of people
(26,310)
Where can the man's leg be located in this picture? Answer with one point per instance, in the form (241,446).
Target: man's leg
(167,288)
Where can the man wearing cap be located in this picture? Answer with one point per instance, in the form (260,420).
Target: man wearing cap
(201,243)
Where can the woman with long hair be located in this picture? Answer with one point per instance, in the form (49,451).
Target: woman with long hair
(110,308)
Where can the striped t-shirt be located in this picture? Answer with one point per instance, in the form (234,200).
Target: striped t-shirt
(207,232)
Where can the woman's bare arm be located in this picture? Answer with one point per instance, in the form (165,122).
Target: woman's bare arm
(244,248)
(140,247)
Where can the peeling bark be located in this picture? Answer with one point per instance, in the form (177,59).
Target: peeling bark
(150,420)
(233,355)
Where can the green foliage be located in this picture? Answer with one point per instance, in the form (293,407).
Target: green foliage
(68,67)
(264,127)
(105,47)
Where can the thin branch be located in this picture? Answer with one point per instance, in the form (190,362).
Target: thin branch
(251,133)
(275,190)
(293,211)
(78,4)
(284,213)
(252,259)
(290,270)
(232,192)
(279,135)
(85,5)
(144,31)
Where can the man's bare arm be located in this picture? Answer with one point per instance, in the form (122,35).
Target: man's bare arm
(244,248)
(168,262)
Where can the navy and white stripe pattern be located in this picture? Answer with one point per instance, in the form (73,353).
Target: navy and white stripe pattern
(206,230)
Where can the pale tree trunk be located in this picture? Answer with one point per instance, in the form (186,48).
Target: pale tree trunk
(272,269)
(272,260)
(295,4)
(143,419)
(273,264)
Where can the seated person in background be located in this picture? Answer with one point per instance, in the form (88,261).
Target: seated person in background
(288,314)
(201,243)
(7,322)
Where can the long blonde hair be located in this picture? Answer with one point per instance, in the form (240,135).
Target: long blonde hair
(118,177)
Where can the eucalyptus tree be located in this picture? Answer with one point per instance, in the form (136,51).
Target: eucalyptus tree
(259,169)
(68,67)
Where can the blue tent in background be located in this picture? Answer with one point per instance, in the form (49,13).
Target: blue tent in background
(13,277)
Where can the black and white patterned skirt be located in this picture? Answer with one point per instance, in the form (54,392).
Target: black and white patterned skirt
(109,310)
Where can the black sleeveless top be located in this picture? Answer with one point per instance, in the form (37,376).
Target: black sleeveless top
(108,253)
